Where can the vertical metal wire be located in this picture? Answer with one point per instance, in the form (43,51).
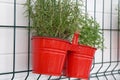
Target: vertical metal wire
(94,25)
(85,7)
(110,40)
(102,37)
(49,77)
(14,40)
(59,78)
(118,31)
(38,77)
(68,78)
(28,66)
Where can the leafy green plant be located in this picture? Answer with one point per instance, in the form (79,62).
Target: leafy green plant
(61,18)
(90,33)
(54,18)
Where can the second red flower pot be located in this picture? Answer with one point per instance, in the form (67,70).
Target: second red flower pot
(79,61)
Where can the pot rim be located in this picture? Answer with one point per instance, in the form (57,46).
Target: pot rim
(50,38)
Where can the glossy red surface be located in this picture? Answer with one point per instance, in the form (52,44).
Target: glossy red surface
(79,61)
(49,55)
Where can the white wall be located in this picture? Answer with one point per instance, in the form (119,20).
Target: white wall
(21,60)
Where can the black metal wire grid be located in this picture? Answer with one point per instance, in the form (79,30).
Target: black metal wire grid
(98,73)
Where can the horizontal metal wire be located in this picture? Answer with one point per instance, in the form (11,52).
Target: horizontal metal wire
(8,26)
(15,72)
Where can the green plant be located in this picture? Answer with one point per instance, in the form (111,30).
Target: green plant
(61,18)
(90,33)
(54,18)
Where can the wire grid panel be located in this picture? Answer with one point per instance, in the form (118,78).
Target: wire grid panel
(15,39)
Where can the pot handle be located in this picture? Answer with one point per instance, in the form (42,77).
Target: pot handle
(75,38)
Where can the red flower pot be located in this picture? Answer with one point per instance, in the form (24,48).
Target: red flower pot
(79,62)
(49,55)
